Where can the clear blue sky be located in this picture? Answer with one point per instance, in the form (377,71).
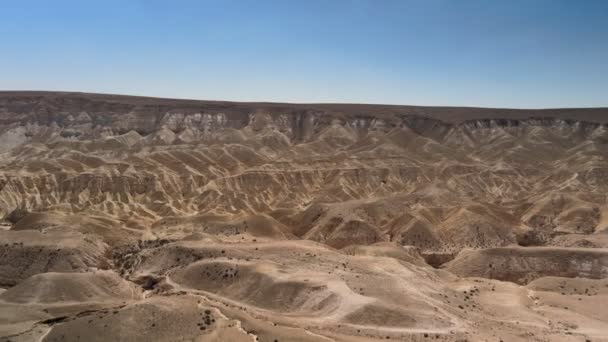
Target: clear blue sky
(508,53)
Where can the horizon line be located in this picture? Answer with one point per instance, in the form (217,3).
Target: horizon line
(5,91)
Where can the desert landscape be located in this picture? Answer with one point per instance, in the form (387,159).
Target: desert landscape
(146,219)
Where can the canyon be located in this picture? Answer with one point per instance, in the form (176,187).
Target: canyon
(135,218)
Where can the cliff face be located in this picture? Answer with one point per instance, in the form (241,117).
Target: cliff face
(526,174)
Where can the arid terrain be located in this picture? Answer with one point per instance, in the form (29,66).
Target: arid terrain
(145,219)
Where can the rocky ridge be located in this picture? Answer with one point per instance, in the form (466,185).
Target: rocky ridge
(217,200)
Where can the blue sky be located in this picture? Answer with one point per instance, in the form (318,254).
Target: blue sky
(510,53)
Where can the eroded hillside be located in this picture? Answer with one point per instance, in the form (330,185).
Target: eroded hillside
(300,222)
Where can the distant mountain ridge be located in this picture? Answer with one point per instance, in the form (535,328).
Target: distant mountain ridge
(24,100)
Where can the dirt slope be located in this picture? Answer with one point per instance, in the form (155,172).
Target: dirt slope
(133,218)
